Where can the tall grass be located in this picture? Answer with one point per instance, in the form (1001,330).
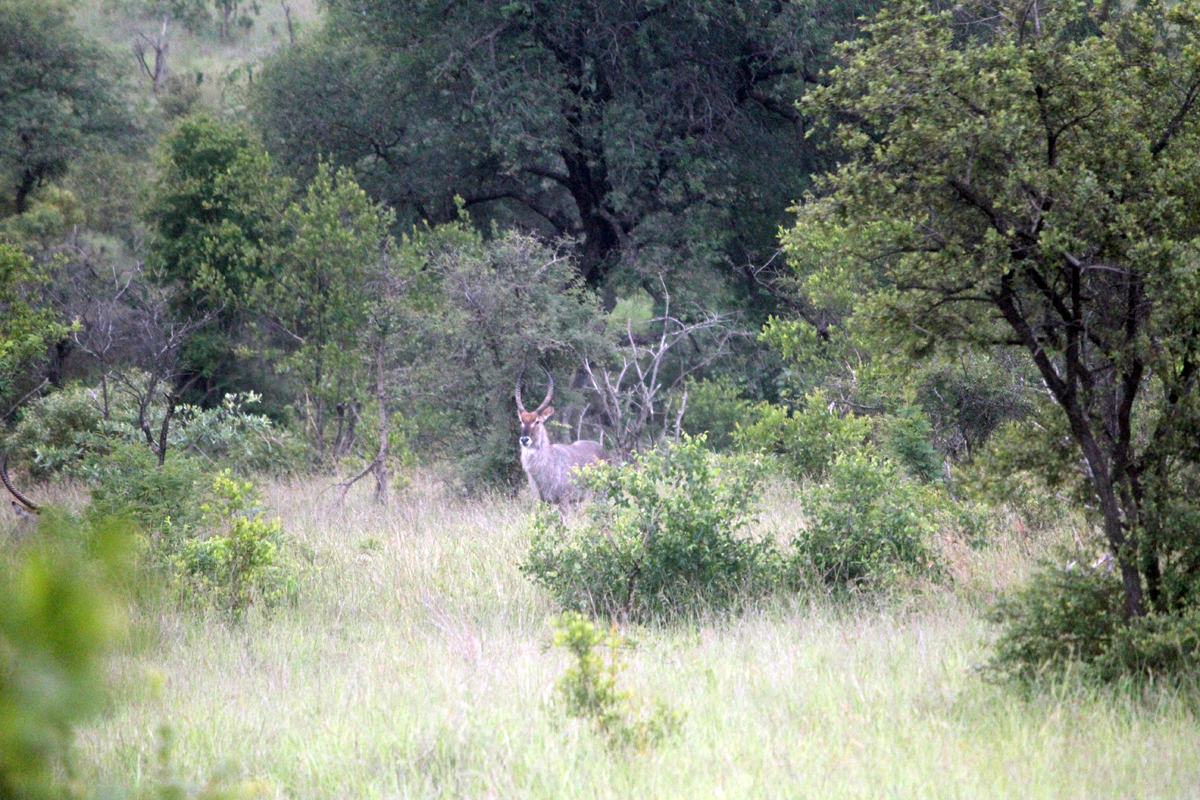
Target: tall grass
(417,664)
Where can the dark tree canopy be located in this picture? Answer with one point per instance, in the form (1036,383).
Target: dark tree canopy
(660,135)
(58,96)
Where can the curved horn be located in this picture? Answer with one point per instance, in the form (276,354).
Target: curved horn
(549,391)
(520,407)
(25,501)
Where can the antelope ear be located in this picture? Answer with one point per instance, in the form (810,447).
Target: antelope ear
(545,414)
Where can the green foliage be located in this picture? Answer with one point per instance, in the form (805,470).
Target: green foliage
(474,314)
(322,272)
(807,441)
(1071,619)
(662,538)
(63,432)
(908,441)
(580,119)
(231,435)
(59,614)
(980,206)
(868,526)
(238,559)
(715,409)
(163,501)
(589,687)
(59,96)
(969,397)
(24,329)
(213,211)
(1030,467)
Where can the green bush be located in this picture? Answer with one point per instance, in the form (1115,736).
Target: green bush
(662,538)
(63,432)
(164,501)
(715,409)
(1072,618)
(909,441)
(806,441)
(589,688)
(231,435)
(239,560)
(868,525)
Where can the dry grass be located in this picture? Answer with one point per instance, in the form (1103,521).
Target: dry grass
(416,664)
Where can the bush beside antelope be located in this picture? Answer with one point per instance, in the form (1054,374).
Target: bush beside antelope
(549,466)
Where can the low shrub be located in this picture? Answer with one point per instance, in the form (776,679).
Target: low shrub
(1071,619)
(589,688)
(909,439)
(238,557)
(663,537)
(66,432)
(715,408)
(868,525)
(807,440)
(232,435)
(163,501)
(63,432)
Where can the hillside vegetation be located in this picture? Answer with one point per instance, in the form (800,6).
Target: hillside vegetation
(885,315)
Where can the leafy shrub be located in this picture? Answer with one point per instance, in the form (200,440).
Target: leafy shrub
(867,524)
(662,537)
(909,436)
(62,432)
(589,688)
(715,408)
(1155,646)
(240,559)
(1072,619)
(1031,467)
(806,441)
(163,501)
(66,432)
(232,435)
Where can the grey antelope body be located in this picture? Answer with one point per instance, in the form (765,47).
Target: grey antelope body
(550,467)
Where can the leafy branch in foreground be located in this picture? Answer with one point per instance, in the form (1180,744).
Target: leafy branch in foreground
(589,688)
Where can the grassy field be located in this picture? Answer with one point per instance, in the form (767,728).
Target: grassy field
(417,663)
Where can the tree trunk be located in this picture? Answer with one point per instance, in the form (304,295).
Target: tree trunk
(381,469)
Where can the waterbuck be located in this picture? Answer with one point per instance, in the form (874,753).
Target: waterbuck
(23,507)
(549,466)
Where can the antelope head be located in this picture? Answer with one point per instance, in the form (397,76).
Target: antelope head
(533,431)
(23,506)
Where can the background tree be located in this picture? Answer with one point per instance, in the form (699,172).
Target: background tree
(59,96)
(662,137)
(213,214)
(1024,175)
(25,329)
(318,296)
